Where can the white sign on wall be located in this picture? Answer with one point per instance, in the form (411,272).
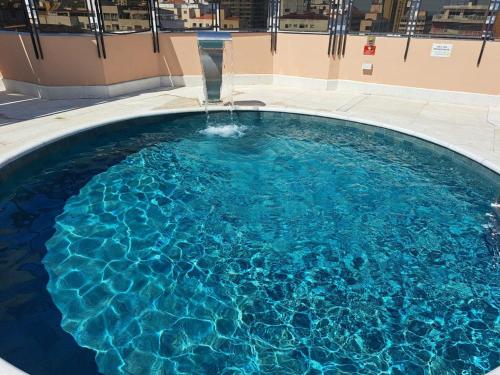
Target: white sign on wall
(441,50)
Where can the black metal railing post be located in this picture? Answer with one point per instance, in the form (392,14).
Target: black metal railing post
(150,22)
(92,16)
(273,24)
(214,15)
(216,25)
(488,27)
(342,29)
(100,26)
(33,25)
(30,29)
(270,7)
(277,23)
(330,25)
(333,30)
(411,25)
(158,24)
(347,25)
(36,23)
(154,22)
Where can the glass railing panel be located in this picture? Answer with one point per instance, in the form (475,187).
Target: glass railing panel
(244,15)
(379,16)
(12,15)
(455,18)
(304,15)
(186,15)
(64,16)
(126,16)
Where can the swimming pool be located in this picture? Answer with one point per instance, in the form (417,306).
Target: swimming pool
(268,243)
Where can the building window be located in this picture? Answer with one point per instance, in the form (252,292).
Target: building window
(304,12)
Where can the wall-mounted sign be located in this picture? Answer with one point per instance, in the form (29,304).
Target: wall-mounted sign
(441,50)
(369,50)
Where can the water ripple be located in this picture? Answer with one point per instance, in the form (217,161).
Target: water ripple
(287,251)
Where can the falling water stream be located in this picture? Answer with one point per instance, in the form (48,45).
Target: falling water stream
(217,62)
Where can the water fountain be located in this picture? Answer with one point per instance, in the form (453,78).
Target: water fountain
(215,49)
(216,57)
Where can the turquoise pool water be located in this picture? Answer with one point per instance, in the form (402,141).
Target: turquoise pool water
(280,244)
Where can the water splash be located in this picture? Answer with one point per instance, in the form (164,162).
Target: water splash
(227,89)
(225,131)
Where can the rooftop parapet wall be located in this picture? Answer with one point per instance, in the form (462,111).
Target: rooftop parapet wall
(459,72)
(71,60)
(252,53)
(68,60)
(303,55)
